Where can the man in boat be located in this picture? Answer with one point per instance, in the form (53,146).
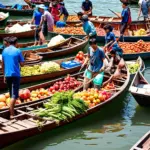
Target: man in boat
(126,19)
(88,27)
(36,19)
(47,21)
(5,43)
(143,8)
(12,59)
(87,7)
(95,69)
(63,11)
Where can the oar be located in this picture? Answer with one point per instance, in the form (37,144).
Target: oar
(114,13)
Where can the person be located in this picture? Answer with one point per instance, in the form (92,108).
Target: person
(55,12)
(12,59)
(95,69)
(143,8)
(110,36)
(61,24)
(47,21)
(88,27)
(36,19)
(125,19)
(17,6)
(79,14)
(87,7)
(63,11)
(5,43)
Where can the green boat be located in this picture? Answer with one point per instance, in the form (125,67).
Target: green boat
(3,22)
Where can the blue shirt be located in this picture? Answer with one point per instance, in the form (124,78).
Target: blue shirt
(89,28)
(96,59)
(125,15)
(60,24)
(12,58)
(64,11)
(37,17)
(87,5)
(110,36)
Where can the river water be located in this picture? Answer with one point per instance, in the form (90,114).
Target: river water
(117,126)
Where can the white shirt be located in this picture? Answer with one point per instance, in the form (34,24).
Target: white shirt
(140,2)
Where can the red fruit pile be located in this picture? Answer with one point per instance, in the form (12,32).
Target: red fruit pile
(69,83)
(80,57)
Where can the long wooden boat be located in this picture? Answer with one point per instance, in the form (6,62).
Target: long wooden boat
(128,36)
(34,78)
(140,90)
(25,126)
(143,143)
(20,35)
(66,47)
(3,21)
(26,11)
(141,66)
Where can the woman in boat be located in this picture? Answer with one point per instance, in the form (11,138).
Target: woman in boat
(95,69)
(55,12)
(87,7)
(47,21)
(12,60)
(143,8)
(88,27)
(109,38)
(63,11)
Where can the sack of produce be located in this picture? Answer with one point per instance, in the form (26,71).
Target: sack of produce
(3,15)
(70,64)
(56,40)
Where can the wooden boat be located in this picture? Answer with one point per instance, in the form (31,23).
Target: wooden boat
(128,36)
(3,21)
(26,11)
(25,126)
(26,34)
(34,78)
(130,1)
(66,47)
(143,143)
(141,64)
(140,90)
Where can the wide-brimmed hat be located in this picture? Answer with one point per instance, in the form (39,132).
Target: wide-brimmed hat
(41,6)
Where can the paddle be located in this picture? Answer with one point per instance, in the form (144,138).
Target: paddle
(114,13)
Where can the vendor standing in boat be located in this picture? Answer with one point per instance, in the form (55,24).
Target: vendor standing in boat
(143,8)
(87,7)
(88,27)
(36,19)
(95,69)
(47,21)
(63,11)
(12,59)
(55,11)
(125,19)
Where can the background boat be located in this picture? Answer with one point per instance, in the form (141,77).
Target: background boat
(140,90)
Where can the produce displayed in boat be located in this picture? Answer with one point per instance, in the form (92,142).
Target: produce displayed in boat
(46,67)
(80,57)
(62,106)
(94,96)
(136,47)
(133,67)
(16,28)
(140,32)
(69,83)
(73,18)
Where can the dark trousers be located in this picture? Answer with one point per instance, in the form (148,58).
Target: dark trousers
(13,84)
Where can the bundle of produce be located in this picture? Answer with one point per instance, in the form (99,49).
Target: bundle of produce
(3,15)
(140,32)
(16,28)
(56,40)
(69,83)
(137,47)
(80,57)
(46,67)
(62,106)
(94,97)
(133,67)
(70,30)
